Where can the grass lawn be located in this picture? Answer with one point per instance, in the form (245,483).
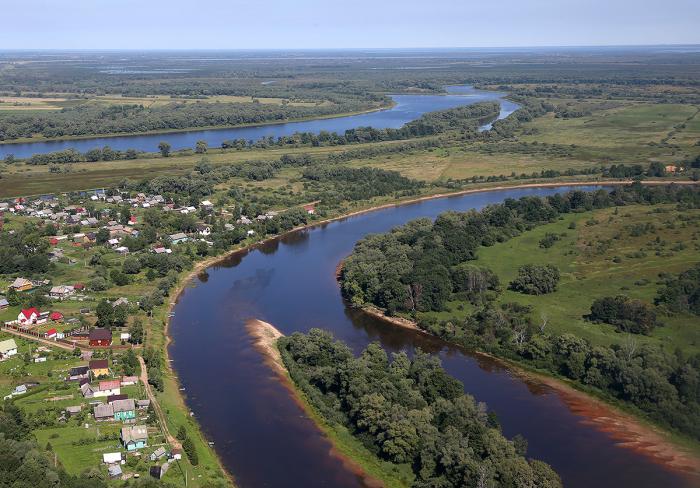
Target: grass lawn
(600,258)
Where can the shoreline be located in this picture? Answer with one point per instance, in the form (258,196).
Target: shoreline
(156,132)
(265,336)
(630,431)
(201,266)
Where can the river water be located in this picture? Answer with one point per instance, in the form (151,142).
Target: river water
(407,108)
(263,437)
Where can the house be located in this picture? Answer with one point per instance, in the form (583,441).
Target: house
(56,316)
(129,380)
(203,230)
(109,387)
(50,334)
(207,205)
(99,367)
(113,242)
(112,458)
(8,348)
(124,409)
(122,250)
(61,292)
(158,472)
(120,301)
(78,373)
(124,336)
(4,303)
(103,412)
(43,317)
(178,238)
(100,337)
(28,316)
(134,437)
(671,168)
(114,398)
(22,284)
(74,410)
(87,390)
(310,209)
(114,471)
(104,389)
(176,454)
(157,454)
(143,404)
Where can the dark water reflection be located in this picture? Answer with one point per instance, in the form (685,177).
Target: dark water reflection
(262,435)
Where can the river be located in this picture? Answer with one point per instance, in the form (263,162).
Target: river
(406,109)
(263,437)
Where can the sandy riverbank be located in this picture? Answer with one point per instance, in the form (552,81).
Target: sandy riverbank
(265,337)
(629,432)
(201,266)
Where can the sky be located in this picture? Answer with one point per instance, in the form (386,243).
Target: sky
(312,24)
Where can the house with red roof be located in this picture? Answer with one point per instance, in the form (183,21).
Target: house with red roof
(56,316)
(28,316)
(310,209)
(53,241)
(50,334)
(100,337)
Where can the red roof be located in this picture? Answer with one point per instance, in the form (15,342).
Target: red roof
(78,286)
(51,332)
(56,316)
(53,241)
(110,385)
(28,312)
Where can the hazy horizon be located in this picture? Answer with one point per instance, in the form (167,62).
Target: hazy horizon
(308,24)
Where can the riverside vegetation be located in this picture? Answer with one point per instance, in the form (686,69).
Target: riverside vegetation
(410,412)
(448,276)
(628,125)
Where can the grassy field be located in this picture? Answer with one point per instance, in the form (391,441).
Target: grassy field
(24,104)
(600,258)
(630,133)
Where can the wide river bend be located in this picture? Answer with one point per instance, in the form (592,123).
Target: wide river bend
(262,435)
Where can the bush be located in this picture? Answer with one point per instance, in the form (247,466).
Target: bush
(548,240)
(626,314)
(191,451)
(534,279)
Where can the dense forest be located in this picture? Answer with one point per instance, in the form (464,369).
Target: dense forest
(419,266)
(410,411)
(128,119)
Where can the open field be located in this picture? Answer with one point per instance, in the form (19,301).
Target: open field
(631,133)
(10,104)
(600,258)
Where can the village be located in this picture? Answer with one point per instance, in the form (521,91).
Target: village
(72,332)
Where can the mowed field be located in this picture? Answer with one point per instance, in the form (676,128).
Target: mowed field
(602,256)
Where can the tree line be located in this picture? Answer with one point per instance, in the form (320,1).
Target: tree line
(419,266)
(410,411)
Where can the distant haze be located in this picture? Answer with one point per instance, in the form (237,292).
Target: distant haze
(274,24)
